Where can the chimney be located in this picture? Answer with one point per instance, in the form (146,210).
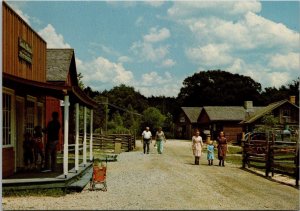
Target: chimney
(248,105)
(293,99)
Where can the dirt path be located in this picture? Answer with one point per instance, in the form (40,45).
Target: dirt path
(171,181)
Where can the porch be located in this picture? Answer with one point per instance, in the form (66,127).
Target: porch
(48,180)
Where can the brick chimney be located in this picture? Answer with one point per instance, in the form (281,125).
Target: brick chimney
(248,105)
(293,99)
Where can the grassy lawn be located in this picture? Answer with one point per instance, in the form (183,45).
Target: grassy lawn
(234,154)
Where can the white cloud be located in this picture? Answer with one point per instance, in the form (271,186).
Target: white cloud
(288,61)
(223,9)
(139,21)
(147,52)
(153,84)
(124,59)
(154,3)
(156,35)
(53,39)
(265,76)
(210,55)
(101,70)
(168,63)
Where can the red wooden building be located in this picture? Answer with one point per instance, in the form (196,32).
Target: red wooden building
(28,94)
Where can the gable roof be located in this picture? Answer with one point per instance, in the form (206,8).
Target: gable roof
(264,110)
(225,113)
(58,64)
(192,113)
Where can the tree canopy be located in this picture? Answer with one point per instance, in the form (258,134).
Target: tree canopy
(218,88)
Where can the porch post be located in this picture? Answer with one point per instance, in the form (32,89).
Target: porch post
(91,136)
(84,137)
(66,134)
(77,138)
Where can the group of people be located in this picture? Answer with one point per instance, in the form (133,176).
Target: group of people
(197,146)
(34,146)
(159,139)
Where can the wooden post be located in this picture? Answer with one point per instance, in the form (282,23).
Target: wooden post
(84,137)
(91,136)
(267,156)
(297,163)
(77,138)
(66,134)
(244,154)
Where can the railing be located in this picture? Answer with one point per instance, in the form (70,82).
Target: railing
(272,156)
(106,142)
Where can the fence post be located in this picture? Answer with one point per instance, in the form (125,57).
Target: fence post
(297,163)
(118,145)
(244,154)
(268,155)
(129,142)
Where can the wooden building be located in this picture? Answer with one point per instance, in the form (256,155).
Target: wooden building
(222,118)
(26,90)
(286,111)
(187,122)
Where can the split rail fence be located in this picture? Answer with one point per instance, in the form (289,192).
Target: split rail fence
(272,156)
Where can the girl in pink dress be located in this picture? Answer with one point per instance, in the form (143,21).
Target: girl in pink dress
(197,145)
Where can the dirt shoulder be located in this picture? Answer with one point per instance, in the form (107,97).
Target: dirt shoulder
(171,181)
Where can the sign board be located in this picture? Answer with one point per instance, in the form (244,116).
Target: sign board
(25,51)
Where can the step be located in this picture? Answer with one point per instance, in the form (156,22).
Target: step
(79,185)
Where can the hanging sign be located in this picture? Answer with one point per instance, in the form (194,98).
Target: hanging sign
(25,51)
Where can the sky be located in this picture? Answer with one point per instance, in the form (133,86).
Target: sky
(154,45)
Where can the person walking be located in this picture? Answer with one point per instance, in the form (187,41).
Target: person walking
(52,131)
(159,138)
(222,148)
(197,145)
(146,139)
(210,153)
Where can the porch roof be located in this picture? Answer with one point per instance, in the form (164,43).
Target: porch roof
(48,89)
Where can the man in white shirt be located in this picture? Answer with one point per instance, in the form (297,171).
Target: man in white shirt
(146,139)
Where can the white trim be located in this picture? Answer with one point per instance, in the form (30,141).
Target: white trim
(66,135)
(84,136)
(77,138)
(91,135)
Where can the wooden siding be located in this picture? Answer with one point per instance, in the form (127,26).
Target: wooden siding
(232,132)
(53,104)
(8,162)
(13,28)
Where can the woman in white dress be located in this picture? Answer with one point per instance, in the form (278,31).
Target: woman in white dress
(197,145)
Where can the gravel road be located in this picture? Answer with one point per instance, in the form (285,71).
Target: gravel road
(170,181)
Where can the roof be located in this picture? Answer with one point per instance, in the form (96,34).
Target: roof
(225,113)
(192,113)
(58,64)
(265,110)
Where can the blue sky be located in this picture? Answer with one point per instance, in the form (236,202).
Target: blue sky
(154,45)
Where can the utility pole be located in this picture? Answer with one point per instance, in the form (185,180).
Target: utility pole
(106,115)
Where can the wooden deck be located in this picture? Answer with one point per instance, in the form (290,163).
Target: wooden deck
(15,184)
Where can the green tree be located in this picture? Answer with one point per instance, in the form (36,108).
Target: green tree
(218,88)
(272,94)
(153,118)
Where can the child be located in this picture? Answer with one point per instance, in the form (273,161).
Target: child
(28,150)
(210,153)
(38,145)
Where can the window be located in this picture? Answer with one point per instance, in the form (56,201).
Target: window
(7,118)
(286,116)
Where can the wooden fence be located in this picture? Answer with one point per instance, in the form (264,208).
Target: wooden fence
(108,142)
(272,156)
